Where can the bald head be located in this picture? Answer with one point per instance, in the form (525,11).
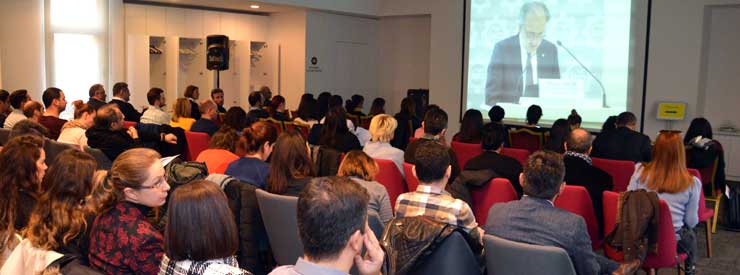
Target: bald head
(579,141)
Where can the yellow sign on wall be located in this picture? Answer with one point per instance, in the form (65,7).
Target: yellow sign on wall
(671,110)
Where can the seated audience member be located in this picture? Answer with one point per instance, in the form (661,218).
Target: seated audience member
(220,152)
(623,143)
(97,96)
(208,116)
(266,95)
(291,167)
(558,133)
(435,127)
(122,241)
(23,168)
(335,101)
(181,115)
(609,124)
(323,103)
(307,112)
(192,248)
(407,124)
(492,142)
(255,111)
(496,114)
(534,220)
(433,169)
(382,129)
(73,132)
(277,108)
(121,97)
(109,136)
(354,105)
(333,133)
(155,113)
(54,103)
(217,95)
(702,151)
(257,143)
(33,110)
(580,171)
(332,225)
(58,222)
(236,119)
(4,105)
(378,107)
(666,175)
(534,113)
(470,127)
(17,100)
(192,93)
(362,169)
(574,120)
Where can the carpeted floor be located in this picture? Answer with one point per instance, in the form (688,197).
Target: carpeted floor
(725,254)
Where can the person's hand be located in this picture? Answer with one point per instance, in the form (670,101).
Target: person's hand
(133,133)
(170,138)
(374,255)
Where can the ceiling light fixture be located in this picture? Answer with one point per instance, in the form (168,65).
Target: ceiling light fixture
(254,6)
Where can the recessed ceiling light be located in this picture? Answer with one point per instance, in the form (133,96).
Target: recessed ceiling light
(255,6)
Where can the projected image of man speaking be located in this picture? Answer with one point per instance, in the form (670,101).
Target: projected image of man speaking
(519,61)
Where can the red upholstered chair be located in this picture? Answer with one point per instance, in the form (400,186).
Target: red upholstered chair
(496,191)
(129,124)
(519,154)
(465,151)
(412,138)
(389,176)
(524,138)
(667,254)
(303,129)
(197,142)
(411,181)
(705,214)
(620,170)
(575,199)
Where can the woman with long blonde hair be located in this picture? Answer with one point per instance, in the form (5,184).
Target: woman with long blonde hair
(181,114)
(667,175)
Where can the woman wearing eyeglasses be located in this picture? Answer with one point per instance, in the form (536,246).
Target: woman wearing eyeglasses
(122,241)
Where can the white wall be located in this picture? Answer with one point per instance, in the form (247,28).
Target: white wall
(288,32)
(22,46)
(404,43)
(720,82)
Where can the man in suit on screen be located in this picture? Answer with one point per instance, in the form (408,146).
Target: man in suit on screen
(518,62)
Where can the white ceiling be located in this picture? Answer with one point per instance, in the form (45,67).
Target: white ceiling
(242,5)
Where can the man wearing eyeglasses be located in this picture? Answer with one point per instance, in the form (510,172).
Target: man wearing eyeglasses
(519,61)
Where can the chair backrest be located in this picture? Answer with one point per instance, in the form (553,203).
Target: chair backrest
(128,124)
(524,138)
(519,154)
(389,176)
(465,151)
(704,212)
(279,216)
(411,181)
(508,257)
(373,221)
(303,129)
(197,142)
(453,256)
(666,256)
(496,191)
(620,170)
(575,199)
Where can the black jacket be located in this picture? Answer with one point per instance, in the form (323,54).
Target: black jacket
(622,144)
(596,181)
(345,142)
(406,127)
(255,115)
(129,112)
(204,125)
(95,103)
(460,188)
(410,156)
(194,110)
(505,166)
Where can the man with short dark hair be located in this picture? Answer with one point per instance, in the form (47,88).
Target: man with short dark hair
(121,96)
(109,135)
(580,171)
(492,141)
(207,122)
(623,143)
(255,112)
(4,105)
(55,103)
(496,114)
(432,168)
(155,114)
(332,225)
(217,95)
(97,96)
(17,99)
(535,220)
(435,128)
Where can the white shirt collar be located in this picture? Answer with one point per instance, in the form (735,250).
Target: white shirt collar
(121,99)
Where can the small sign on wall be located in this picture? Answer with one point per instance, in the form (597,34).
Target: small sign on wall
(313,66)
(671,110)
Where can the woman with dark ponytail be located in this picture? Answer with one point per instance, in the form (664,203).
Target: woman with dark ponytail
(256,143)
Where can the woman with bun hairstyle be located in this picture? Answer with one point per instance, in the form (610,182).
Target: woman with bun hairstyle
(73,132)
(256,143)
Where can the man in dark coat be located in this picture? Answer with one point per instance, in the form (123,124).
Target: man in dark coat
(121,96)
(623,143)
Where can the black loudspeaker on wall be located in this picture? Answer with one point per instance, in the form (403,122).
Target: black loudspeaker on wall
(217,52)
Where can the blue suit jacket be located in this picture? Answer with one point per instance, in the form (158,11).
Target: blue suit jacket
(536,221)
